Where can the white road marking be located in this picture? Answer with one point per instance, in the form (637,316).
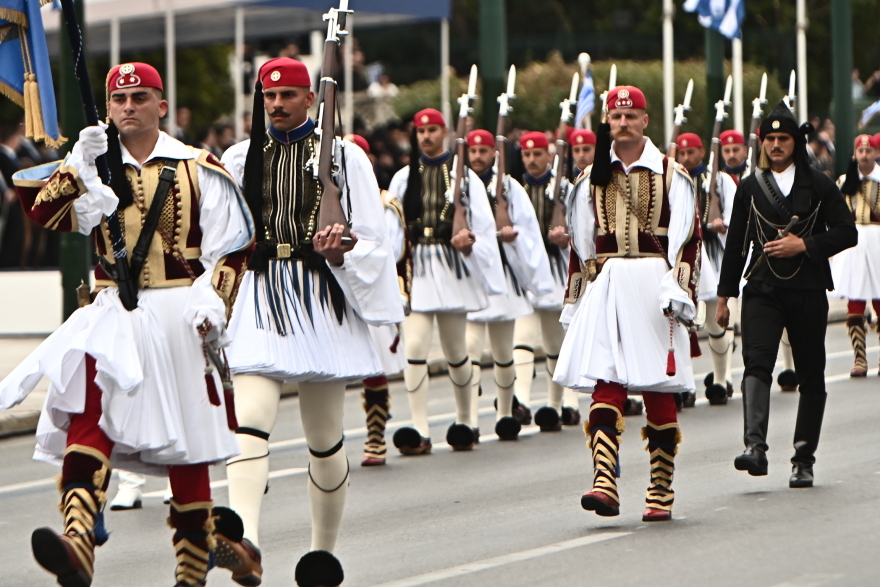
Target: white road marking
(810,580)
(499,561)
(721,508)
(223,482)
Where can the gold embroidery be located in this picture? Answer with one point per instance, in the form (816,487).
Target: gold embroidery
(60,185)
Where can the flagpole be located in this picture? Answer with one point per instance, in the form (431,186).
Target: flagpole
(802,24)
(737,63)
(668,69)
(127,288)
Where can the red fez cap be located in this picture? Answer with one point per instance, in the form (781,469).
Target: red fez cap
(732,137)
(284,71)
(429,116)
(480,137)
(133,75)
(865,141)
(583,136)
(877,141)
(623,97)
(534,140)
(689,139)
(359,141)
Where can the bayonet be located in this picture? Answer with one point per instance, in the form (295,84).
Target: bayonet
(502,212)
(680,117)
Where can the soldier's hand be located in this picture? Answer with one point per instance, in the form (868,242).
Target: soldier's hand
(329,242)
(464,241)
(507,234)
(718,226)
(722,313)
(788,246)
(93,142)
(559,237)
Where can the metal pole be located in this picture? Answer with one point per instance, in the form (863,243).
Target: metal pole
(668,69)
(493,56)
(802,24)
(170,72)
(348,54)
(445,105)
(737,62)
(714,74)
(74,254)
(841,74)
(114,41)
(238,72)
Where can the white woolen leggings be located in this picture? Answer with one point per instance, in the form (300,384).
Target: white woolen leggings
(501,343)
(418,329)
(721,342)
(321,410)
(543,323)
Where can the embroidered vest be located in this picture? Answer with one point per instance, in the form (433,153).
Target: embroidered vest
(864,203)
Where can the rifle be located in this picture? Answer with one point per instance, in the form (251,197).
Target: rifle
(715,155)
(330,208)
(790,99)
(680,112)
(567,108)
(754,146)
(459,218)
(502,213)
(126,285)
(612,83)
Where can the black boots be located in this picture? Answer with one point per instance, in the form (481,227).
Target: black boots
(756,414)
(811,409)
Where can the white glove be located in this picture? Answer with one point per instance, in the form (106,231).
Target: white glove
(93,142)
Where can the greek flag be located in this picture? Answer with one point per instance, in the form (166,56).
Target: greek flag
(25,75)
(586,101)
(868,113)
(725,16)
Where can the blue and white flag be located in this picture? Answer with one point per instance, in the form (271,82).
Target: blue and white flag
(586,101)
(869,113)
(25,75)
(725,16)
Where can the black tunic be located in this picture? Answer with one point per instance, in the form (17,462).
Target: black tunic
(832,232)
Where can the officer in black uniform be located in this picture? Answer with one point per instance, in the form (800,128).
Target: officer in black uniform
(787,279)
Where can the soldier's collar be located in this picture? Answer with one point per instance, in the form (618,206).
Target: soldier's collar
(542,180)
(698,170)
(487,176)
(438,160)
(297,134)
(167,147)
(736,170)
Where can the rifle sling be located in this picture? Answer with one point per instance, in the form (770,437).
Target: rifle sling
(148,230)
(771,191)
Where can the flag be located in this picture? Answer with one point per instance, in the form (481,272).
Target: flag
(25,75)
(868,113)
(725,16)
(586,101)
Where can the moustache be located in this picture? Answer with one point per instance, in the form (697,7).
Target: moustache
(280,113)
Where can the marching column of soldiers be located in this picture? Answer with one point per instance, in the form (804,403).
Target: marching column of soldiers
(284,262)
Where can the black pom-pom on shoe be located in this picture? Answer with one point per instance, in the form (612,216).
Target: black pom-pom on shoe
(228,523)
(319,568)
(507,428)
(548,419)
(460,437)
(407,438)
(716,394)
(787,380)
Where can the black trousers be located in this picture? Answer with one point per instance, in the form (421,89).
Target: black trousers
(766,310)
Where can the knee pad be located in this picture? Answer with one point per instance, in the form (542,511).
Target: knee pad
(414,374)
(505,374)
(460,373)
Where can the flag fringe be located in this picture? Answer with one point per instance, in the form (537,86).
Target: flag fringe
(12,94)
(14,16)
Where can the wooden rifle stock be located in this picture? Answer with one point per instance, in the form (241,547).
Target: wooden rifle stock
(558,218)
(672,149)
(754,144)
(459,218)
(502,212)
(714,199)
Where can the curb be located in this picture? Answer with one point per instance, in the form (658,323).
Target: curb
(20,422)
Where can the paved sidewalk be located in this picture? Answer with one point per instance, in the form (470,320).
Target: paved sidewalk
(22,419)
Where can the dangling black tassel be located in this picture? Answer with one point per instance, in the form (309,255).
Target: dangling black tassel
(118,181)
(253,180)
(413,207)
(852,183)
(601,173)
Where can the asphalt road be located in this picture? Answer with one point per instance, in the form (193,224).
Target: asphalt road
(508,513)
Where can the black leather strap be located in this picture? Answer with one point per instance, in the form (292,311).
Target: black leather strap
(148,230)
(774,195)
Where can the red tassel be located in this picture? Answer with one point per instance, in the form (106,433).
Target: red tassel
(670,363)
(393,347)
(229,397)
(695,346)
(213,396)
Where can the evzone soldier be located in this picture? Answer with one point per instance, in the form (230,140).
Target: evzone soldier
(526,269)
(303,313)
(133,388)
(583,149)
(691,153)
(795,219)
(452,275)
(633,218)
(543,324)
(386,338)
(735,152)
(856,271)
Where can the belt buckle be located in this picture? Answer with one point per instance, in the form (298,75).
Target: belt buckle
(282,251)
(428,231)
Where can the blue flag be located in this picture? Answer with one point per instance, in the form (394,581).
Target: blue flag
(25,75)
(586,101)
(725,16)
